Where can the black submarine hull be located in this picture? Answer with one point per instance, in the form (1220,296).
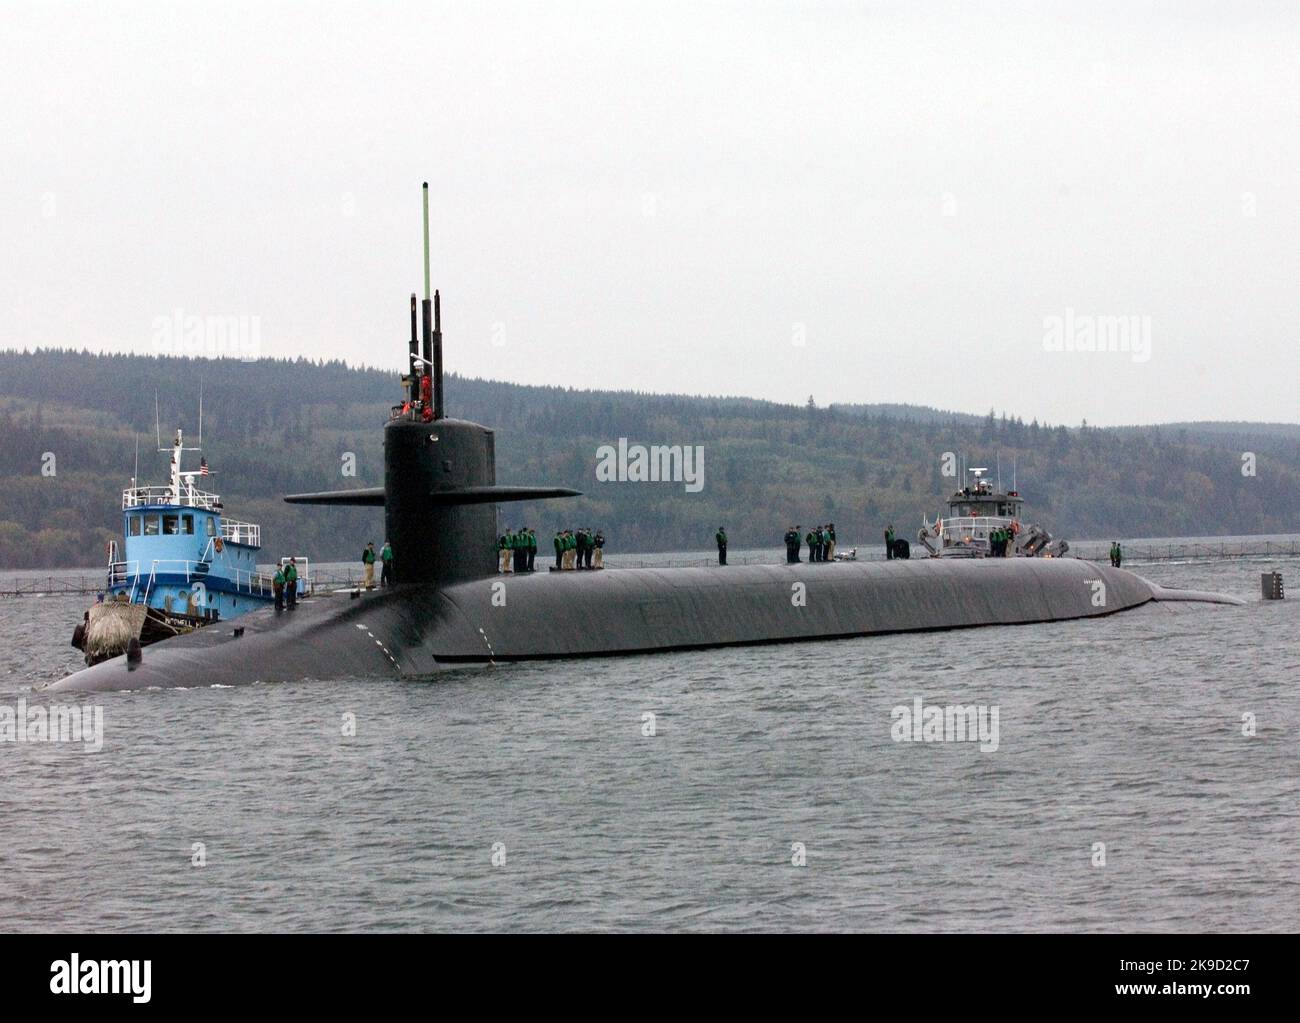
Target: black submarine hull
(417,630)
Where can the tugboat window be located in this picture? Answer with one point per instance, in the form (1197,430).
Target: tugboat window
(188,521)
(151,525)
(211,525)
(171,525)
(134,528)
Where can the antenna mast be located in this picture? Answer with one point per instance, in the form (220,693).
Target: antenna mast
(426,241)
(426,308)
(432,322)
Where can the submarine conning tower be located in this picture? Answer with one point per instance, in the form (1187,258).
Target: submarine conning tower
(427,466)
(439,493)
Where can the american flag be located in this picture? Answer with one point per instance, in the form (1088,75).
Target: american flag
(203,466)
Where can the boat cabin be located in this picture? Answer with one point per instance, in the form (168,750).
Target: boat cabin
(181,554)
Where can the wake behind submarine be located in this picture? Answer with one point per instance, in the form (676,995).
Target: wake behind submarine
(450,607)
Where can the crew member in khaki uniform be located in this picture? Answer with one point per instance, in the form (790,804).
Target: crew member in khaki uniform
(368,560)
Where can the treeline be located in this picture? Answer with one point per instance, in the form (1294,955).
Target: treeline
(70,421)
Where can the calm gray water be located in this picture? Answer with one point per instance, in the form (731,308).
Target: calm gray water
(1125,731)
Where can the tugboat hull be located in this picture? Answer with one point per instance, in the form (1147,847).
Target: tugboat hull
(110,626)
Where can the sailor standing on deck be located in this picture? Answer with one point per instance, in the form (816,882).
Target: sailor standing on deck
(503,551)
(532,549)
(368,564)
(830,542)
(599,542)
(386,556)
(521,550)
(277,587)
(291,583)
(721,538)
(559,551)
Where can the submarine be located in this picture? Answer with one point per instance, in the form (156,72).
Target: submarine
(449,606)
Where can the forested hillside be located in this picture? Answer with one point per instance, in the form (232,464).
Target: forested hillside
(275,427)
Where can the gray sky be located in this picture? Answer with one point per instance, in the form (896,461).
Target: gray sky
(865,202)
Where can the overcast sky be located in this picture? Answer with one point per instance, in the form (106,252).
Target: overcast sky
(863,202)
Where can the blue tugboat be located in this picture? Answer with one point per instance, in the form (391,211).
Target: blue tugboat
(183,565)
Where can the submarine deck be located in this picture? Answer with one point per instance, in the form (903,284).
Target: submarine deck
(415,631)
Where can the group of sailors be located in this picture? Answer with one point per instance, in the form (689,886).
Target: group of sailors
(285,582)
(517,550)
(1116,554)
(285,585)
(820,540)
(1000,539)
(579,548)
(385,558)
